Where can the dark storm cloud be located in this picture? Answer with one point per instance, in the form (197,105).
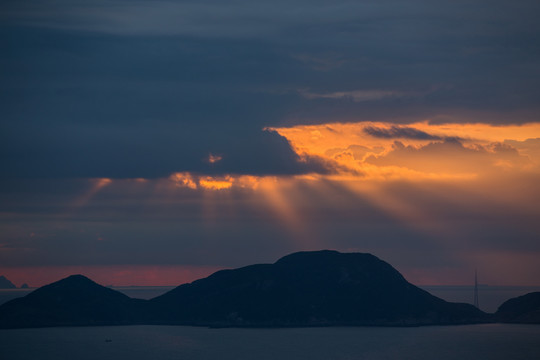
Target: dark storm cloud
(141,89)
(397,132)
(120,110)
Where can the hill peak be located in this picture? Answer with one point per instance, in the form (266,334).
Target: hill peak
(323,255)
(77,278)
(74,300)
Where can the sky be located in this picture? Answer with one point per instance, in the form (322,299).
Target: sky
(155,142)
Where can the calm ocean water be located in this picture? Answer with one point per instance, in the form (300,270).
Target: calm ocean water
(485,342)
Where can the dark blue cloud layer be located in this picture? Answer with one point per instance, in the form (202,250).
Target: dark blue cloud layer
(396,132)
(138,89)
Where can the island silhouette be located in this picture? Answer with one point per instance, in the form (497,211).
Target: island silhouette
(5,283)
(317,288)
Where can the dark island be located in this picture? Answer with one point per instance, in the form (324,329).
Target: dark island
(321,288)
(520,310)
(73,301)
(5,283)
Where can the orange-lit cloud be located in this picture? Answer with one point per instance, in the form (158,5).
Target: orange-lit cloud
(184,180)
(420,150)
(214,158)
(213,183)
(368,151)
(203,182)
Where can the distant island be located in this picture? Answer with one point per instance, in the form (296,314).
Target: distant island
(523,309)
(5,283)
(319,288)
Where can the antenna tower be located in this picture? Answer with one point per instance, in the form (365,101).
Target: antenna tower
(476,289)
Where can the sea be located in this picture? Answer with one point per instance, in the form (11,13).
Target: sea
(475,342)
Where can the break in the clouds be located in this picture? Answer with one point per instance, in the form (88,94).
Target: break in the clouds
(420,150)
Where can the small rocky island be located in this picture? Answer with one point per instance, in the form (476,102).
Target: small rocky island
(5,283)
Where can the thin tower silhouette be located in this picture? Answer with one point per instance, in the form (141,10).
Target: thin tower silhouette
(476,289)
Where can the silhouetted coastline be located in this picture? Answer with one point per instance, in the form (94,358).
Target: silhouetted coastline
(320,288)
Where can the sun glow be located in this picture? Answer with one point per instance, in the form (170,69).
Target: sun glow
(383,151)
(202,182)
(96,185)
(376,151)
(216,184)
(367,155)
(369,163)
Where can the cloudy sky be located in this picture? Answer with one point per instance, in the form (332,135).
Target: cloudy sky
(154,142)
